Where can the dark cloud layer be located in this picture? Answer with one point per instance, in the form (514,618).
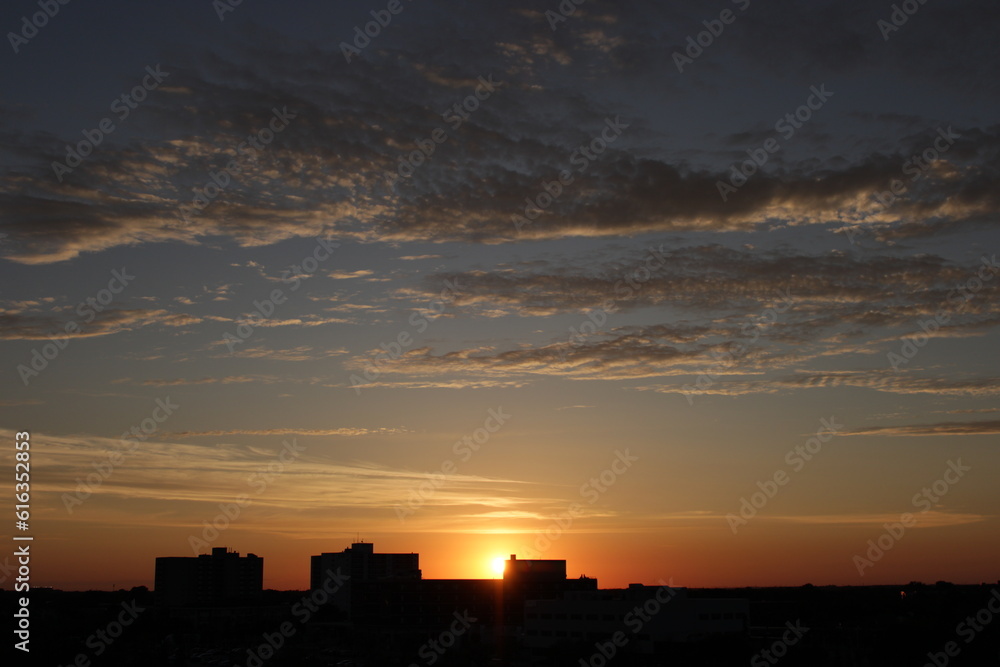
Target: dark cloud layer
(354,123)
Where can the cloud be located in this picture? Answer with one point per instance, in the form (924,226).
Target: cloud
(710,310)
(298,353)
(39,326)
(924,519)
(712,276)
(347,275)
(453,383)
(230,379)
(886,381)
(627,357)
(19,402)
(326,172)
(346,431)
(941,428)
(195,479)
(896,384)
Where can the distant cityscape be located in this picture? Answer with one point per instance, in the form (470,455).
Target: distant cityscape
(365,608)
(535,605)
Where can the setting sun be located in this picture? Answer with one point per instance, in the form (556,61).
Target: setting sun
(498,565)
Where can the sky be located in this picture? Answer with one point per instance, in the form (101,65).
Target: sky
(695,292)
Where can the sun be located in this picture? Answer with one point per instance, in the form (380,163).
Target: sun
(498,565)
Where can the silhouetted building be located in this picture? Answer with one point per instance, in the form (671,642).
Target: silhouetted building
(536,571)
(525,580)
(360,564)
(425,605)
(535,606)
(208,580)
(394,602)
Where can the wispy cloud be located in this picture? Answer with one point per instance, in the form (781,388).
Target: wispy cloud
(195,478)
(991,427)
(345,431)
(23,326)
(348,275)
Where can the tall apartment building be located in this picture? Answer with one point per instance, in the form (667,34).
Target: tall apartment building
(360,564)
(219,578)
